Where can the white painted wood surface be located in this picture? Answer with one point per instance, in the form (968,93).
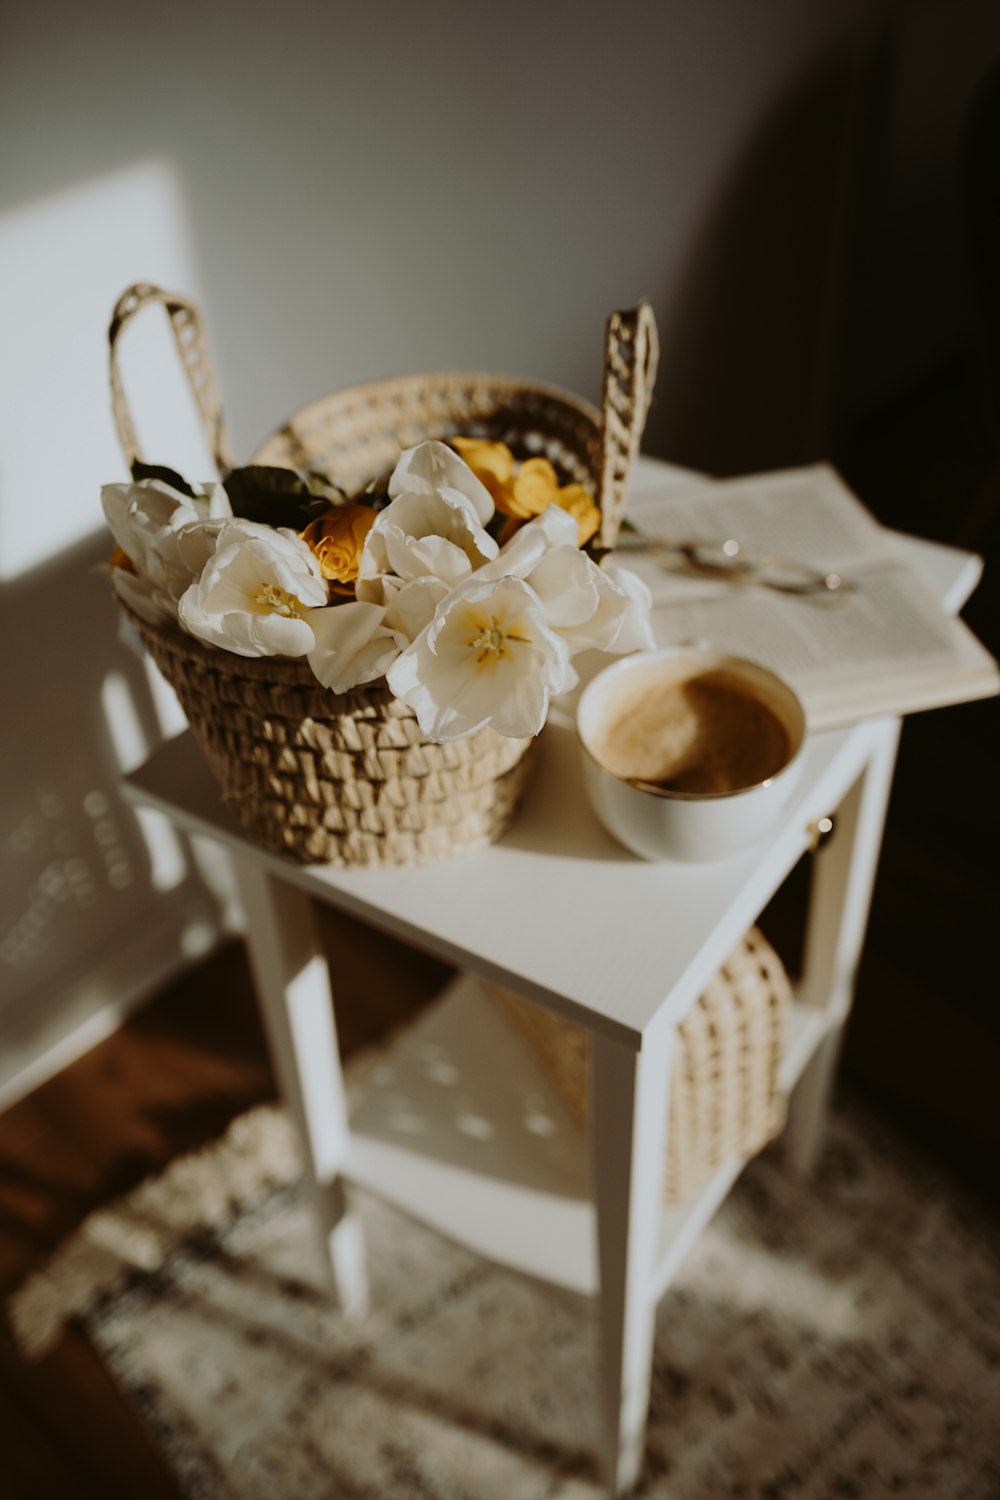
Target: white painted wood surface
(292,981)
(461,1128)
(842,879)
(629,1102)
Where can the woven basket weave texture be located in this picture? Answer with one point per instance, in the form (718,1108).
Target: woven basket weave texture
(724,1100)
(358,433)
(344,779)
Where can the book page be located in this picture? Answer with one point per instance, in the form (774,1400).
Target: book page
(886,645)
(807,515)
(880,622)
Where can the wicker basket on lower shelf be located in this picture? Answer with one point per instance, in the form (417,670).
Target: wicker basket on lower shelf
(724,1100)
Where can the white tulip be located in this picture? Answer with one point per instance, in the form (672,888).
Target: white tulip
(167,536)
(256,593)
(589,607)
(138,594)
(424,535)
(432,467)
(487,657)
(358,642)
(555,527)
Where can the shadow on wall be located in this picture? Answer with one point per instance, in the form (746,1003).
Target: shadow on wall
(82,937)
(85,929)
(749,379)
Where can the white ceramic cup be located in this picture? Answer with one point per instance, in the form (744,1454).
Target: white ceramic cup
(668,824)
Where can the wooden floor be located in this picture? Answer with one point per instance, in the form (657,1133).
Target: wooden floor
(170,1080)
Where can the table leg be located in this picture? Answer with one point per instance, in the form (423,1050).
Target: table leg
(842,881)
(293,989)
(629,1100)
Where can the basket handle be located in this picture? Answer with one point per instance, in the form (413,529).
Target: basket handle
(631,354)
(188,330)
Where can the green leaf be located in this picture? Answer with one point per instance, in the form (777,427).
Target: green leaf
(165,475)
(278,497)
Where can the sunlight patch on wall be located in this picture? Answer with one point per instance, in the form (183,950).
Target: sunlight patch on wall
(65,261)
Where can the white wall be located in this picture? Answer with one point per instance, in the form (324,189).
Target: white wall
(381,187)
(359,190)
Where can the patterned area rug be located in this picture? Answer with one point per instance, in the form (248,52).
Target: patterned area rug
(836,1338)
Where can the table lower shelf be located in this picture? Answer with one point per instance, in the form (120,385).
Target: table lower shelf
(461,1128)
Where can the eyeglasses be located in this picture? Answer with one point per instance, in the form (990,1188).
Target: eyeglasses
(735,562)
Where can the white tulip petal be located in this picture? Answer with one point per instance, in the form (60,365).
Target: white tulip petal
(114,501)
(139,514)
(566,582)
(246,634)
(600,631)
(529,544)
(375,590)
(426,535)
(237,530)
(312,591)
(636,629)
(276,542)
(426,557)
(411,606)
(138,595)
(195,544)
(353,645)
(438,703)
(432,467)
(273,635)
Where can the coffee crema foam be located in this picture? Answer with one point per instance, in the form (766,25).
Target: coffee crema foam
(708,733)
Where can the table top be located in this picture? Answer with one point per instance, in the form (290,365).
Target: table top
(557,909)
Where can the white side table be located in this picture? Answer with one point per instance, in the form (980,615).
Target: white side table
(459,1128)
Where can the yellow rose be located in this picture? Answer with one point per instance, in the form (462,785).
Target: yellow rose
(583,509)
(492,463)
(336,540)
(534,486)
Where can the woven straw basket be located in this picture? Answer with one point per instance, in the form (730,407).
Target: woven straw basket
(350,779)
(724,1100)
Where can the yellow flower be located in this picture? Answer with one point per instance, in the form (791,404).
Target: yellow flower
(533,487)
(583,509)
(336,540)
(492,463)
(521,492)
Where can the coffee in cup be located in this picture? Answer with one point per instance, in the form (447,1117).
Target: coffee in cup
(706,733)
(689,754)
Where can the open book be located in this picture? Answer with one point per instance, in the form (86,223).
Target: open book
(879,643)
